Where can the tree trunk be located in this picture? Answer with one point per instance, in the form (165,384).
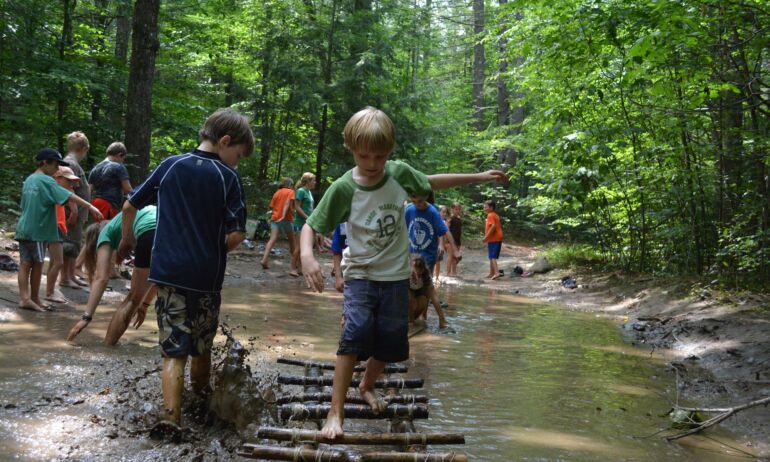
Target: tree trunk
(65,41)
(144,48)
(117,98)
(264,102)
(327,67)
(479,61)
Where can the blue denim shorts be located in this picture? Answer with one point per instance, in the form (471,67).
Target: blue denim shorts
(493,249)
(376,320)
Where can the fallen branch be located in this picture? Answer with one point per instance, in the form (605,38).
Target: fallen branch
(724,414)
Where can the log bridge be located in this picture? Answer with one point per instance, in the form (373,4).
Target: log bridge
(311,405)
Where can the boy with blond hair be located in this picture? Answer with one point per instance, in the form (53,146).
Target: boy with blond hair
(37,224)
(370,199)
(201,206)
(77,150)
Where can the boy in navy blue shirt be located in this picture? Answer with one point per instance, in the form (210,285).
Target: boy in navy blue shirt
(201,217)
(427,232)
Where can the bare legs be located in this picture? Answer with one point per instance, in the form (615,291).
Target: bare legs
(54,267)
(343,372)
(29,277)
(172,382)
(494,273)
(292,246)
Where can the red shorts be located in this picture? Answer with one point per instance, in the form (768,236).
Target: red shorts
(105,207)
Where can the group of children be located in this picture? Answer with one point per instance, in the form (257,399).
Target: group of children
(201,193)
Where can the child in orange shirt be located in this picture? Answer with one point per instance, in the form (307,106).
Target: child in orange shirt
(493,236)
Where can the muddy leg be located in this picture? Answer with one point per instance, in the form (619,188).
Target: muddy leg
(172,383)
(374,368)
(200,373)
(343,372)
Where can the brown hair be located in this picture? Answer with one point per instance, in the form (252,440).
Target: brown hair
(490,203)
(228,122)
(117,149)
(89,250)
(370,129)
(77,141)
(418,262)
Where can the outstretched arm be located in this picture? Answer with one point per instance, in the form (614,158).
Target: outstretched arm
(84,203)
(98,285)
(448,180)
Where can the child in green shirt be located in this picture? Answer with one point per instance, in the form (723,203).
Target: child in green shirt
(370,198)
(37,224)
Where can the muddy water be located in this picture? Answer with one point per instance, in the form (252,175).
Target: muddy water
(520,379)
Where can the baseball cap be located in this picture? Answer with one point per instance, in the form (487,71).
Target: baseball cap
(50,154)
(67,173)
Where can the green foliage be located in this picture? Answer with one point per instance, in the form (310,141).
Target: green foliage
(565,255)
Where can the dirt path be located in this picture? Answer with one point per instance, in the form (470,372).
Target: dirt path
(718,343)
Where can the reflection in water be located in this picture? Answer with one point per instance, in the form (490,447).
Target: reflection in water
(521,380)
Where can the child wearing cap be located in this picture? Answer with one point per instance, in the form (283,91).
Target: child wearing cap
(37,224)
(66,219)
(65,177)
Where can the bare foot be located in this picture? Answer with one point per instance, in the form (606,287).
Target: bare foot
(264,264)
(373,400)
(332,427)
(495,277)
(293,274)
(30,305)
(56,298)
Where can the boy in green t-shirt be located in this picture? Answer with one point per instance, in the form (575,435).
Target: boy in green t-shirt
(37,224)
(370,198)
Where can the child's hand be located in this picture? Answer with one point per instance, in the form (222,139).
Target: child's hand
(314,276)
(339,283)
(127,244)
(494,175)
(139,316)
(96,213)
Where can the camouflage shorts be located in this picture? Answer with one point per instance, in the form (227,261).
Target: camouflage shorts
(187,321)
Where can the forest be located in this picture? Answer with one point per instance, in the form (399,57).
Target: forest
(637,132)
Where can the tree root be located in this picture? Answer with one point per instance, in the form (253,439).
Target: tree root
(724,413)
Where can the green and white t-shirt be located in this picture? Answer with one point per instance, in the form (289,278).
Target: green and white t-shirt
(378,245)
(146,220)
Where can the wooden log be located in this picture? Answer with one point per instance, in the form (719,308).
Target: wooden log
(335,455)
(327,381)
(389,368)
(299,435)
(298,411)
(350,399)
